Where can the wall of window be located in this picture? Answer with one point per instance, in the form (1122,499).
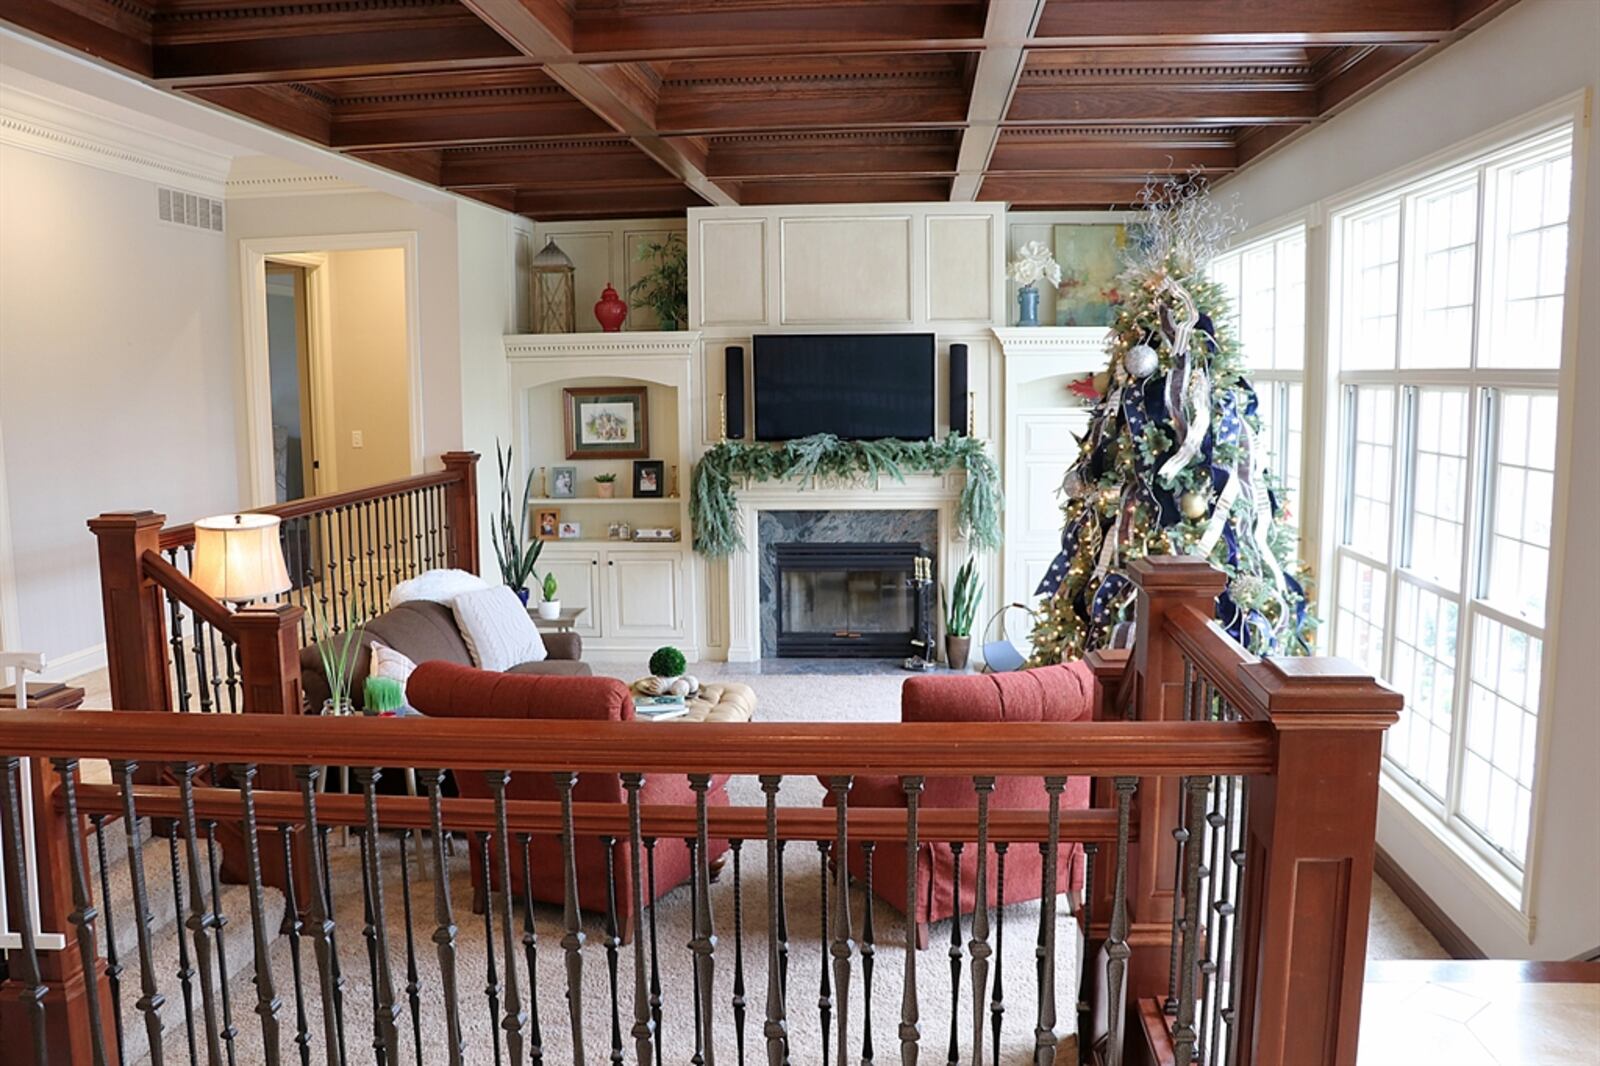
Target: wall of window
(1445,338)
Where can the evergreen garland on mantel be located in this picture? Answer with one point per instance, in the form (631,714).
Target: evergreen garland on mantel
(713,504)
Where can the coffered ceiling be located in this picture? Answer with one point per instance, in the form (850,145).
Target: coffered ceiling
(613,108)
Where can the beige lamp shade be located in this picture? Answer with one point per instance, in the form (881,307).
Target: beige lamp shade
(238,558)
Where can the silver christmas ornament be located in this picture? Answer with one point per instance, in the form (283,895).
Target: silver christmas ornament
(1141,360)
(1194,505)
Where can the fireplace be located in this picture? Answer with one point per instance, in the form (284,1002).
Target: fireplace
(841,600)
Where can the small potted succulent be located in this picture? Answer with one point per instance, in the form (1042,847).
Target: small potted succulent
(550,606)
(605,485)
(960,607)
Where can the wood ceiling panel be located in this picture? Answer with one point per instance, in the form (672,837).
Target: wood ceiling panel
(606,108)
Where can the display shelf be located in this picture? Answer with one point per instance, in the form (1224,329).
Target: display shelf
(585,501)
(590,542)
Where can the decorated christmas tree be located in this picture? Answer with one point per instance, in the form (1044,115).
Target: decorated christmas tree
(1173,462)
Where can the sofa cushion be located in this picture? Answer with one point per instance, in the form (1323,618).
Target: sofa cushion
(553,667)
(497,629)
(421,631)
(436,586)
(445,690)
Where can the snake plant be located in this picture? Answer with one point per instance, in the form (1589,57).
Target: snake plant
(961,605)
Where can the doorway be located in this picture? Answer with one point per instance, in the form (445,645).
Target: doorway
(295,463)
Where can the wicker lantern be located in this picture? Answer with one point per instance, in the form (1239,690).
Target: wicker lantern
(553,306)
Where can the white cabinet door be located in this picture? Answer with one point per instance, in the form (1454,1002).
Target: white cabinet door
(578,577)
(646,593)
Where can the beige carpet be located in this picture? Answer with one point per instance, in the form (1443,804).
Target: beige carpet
(782,698)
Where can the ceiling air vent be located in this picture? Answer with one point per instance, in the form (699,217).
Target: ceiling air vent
(188,209)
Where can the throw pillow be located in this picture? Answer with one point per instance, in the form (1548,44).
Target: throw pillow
(497,629)
(436,586)
(386,662)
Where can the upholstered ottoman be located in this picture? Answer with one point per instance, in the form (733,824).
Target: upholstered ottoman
(717,702)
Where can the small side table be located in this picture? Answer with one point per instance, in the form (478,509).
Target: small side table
(562,623)
(44,696)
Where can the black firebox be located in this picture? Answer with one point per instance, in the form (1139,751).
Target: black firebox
(852,600)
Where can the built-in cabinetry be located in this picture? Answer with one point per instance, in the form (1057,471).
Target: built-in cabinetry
(637,595)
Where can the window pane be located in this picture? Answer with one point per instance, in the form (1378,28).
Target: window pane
(1424,670)
(1359,613)
(1444,272)
(1439,485)
(1258,306)
(1372,470)
(1290,290)
(1521,507)
(1224,271)
(1501,730)
(1373,287)
(1530,253)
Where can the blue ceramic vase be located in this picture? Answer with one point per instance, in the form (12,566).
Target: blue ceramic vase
(1027,306)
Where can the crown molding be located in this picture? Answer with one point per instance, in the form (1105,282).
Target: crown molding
(55,129)
(255,188)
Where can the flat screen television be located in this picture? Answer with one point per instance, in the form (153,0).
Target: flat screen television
(861,386)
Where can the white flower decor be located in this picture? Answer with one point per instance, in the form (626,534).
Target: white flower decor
(1033,262)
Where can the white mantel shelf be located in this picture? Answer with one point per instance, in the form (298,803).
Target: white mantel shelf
(643,344)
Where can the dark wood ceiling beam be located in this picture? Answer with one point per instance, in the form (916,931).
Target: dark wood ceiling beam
(514,119)
(846,191)
(1372,67)
(1139,22)
(890,104)
(580,202)
(994,82)
(115,34)
(623,96)
(613,164)
(422,164)
(277,106)
(1065,106)
(860,157)
(1024,154)
(1044,192)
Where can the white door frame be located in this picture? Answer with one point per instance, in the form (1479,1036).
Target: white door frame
(10,614)
(253,256)
(319,303)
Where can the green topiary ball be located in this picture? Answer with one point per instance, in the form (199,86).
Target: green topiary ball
(667,662)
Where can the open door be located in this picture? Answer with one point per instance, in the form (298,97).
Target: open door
(295,463)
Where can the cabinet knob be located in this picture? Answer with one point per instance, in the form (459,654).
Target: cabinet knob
(611,562)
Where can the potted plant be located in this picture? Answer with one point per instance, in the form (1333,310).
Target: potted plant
(667,677)
(665,290)
(1033,262)
(338,649)
(960,607)
(513,549)
(550,607)
(605,485)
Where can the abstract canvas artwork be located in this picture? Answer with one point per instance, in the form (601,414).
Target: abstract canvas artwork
(1091,256)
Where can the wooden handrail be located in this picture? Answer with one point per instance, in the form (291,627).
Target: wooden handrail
(1146,749)
(177,582)
(180,536)
(1216,656)
(881,824)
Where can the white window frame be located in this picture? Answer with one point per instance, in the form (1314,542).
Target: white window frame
(1509,882)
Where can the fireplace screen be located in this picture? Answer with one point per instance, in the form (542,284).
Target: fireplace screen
(849,600)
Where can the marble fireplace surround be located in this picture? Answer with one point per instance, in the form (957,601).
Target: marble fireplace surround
(938,494)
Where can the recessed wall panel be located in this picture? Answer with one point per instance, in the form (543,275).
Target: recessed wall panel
(844,271)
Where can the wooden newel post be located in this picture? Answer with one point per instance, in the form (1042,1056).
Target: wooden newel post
(1167,584)
(269,677)
(461,508)
(136,627)
(1308,861)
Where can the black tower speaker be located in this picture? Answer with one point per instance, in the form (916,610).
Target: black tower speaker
(958,389)
(733,392)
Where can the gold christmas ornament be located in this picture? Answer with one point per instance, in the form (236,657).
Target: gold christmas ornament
(1194,505)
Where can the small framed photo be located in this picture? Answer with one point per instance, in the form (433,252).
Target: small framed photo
(570,531)
(614,531)
(547,524)
(649,479)
(606,423)
(563,482)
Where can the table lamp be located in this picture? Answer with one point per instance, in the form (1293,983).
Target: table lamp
(238,558)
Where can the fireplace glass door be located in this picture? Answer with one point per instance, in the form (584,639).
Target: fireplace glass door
(849,600)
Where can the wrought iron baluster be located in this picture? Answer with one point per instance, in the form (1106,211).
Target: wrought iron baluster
(1117,950)
(997,998)
(530,951)
(385,1006)
(1183,1033)
(775,1029)
(910,1031)
(1086,988)
(491,985)
(444,932)
(655,959)
(1212,875)
(267,1003)
(113,965)
(180,668)
(515,1017)
(202,677)
(150,1000)
(843,934)
(572,941)
(824,989)
(83,909)
(738,1001)
(413,985)
(293,926)
(613,942)
(1045,1033)
(27,956)
(185,970)
(229,1030)
(369,934)
(869,949)
(1222,905)
(699,1056)
(230,656)
(324,944)
(338,971)
(1180,834)
(979,945)
(643,1028)
(953,1049)
(201,919)
(1236,961)
(369,578)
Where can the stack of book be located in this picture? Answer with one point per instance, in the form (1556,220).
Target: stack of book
(659,708)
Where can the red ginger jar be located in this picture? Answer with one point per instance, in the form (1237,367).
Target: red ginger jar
(610,310)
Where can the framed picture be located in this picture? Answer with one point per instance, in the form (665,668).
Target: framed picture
(570,531)
(649,479)
(1091,257)
(563,482)
(607,423)
(547,524)
(614,531)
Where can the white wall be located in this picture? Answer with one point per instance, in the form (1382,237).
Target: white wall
(117,380)
(369,366)
(1537,52)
